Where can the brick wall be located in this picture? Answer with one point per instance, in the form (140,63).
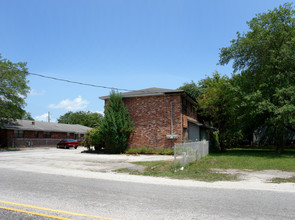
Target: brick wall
(7,138)
(152,119)
(59,135)
(191,110)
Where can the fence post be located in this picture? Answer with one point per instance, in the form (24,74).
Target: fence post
(174,157)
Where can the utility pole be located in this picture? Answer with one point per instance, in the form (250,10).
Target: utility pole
(48,117)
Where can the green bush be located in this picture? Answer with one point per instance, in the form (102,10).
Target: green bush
(116,126)
(93,138)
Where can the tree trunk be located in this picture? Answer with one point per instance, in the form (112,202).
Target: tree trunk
(221,144)
(280,145)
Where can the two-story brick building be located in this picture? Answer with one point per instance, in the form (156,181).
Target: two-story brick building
(162,117)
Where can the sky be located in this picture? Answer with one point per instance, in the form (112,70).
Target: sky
(126,44)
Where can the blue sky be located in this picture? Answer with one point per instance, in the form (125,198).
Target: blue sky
(128,44)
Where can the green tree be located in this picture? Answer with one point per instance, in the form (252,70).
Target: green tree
(264,63)
(13,90)
(27,116)
(116,126)
(94,138)
(89,119)
(191,88)
(215,105)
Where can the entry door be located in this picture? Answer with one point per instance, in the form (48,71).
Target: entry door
(193,132)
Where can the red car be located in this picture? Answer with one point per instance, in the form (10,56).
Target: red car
(67,143)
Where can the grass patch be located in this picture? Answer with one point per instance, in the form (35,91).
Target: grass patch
(145,150)
(166,169)
(253,158)
(283,180)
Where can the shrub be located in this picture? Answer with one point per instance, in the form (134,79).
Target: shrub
(93,138)
(116,126)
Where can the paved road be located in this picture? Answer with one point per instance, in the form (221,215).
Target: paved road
(61,184)
(127,200)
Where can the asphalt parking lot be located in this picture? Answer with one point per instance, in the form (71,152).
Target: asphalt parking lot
(42,159)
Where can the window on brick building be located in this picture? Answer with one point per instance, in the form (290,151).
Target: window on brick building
(18,134)
(68,135)
(184,106)
(36,134)
(46,135)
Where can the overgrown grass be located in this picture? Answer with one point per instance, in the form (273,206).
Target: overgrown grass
(253,158)
(166,169)
(145,150)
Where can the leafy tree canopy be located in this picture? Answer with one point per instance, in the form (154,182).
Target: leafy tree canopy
(27,116)
(191,88)
(13,90)
(216,104)
(264,61)
(89,119)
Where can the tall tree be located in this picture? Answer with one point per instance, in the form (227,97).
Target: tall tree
(264,63)
(13,90)
(215,105)
(27,116)
(89,119)
(191,88)
(116,126)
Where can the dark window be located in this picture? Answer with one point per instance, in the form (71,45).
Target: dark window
(184,106)
(36,134)
(18,134)
(46,135)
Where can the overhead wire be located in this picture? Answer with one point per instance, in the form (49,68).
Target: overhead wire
(81,83)
(74,82)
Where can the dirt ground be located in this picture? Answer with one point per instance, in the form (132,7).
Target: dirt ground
(257,176)
(71,159)
(73,162)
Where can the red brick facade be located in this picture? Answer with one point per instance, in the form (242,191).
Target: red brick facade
(38,138)
(152,119)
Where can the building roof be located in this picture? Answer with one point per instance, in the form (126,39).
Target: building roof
(147,92)
(29,125)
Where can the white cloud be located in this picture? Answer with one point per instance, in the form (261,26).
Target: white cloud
(100,112)
(44,117)
(34,92)
(71,105)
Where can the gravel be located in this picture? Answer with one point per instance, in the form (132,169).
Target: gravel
(71,162)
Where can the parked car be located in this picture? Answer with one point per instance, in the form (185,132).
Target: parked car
(67,143)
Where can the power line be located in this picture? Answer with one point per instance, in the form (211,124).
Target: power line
(74,82)
(80,83)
